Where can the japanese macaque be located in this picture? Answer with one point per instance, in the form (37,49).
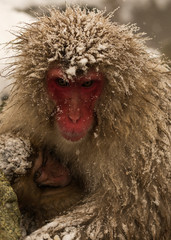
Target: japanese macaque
(89,89)
(46,190)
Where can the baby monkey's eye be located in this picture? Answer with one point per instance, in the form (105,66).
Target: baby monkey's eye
(87,84)
(61,82)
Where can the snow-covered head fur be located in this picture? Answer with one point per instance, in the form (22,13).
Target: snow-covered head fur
(79,39)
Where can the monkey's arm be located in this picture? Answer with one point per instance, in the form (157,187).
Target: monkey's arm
(14,153)
(78,223)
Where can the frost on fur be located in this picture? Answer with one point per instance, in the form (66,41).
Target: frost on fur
(14,153)
(126,164)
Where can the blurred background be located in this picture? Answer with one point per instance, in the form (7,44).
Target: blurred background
(152,16)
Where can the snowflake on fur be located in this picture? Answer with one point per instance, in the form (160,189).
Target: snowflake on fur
(14,153)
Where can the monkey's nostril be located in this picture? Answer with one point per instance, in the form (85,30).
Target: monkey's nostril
(74,120)
(74,117)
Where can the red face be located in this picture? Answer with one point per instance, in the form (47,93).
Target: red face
(75,101)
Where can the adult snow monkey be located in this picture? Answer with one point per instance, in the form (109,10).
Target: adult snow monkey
(88,89)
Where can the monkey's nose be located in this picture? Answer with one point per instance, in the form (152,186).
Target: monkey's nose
(74,117)
(74,114)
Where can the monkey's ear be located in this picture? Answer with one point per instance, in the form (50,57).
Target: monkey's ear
(15,152)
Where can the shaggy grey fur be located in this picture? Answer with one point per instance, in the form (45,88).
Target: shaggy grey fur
(125,160)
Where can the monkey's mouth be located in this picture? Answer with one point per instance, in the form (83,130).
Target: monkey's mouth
(73,136)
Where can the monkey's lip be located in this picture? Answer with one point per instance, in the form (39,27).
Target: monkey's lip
(58,181)
(73,136)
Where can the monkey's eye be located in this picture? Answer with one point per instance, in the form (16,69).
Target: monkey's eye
(61,82)
(87,84)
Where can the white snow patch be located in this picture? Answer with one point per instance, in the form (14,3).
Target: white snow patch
(14,153)
(56,237)
(77,152)
(102,46)
(80,49)
(95,135)
(153,52)
(71,71)
(71,233)
(83,61)
(125,228)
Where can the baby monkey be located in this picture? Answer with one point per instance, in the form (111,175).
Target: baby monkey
(47,189)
